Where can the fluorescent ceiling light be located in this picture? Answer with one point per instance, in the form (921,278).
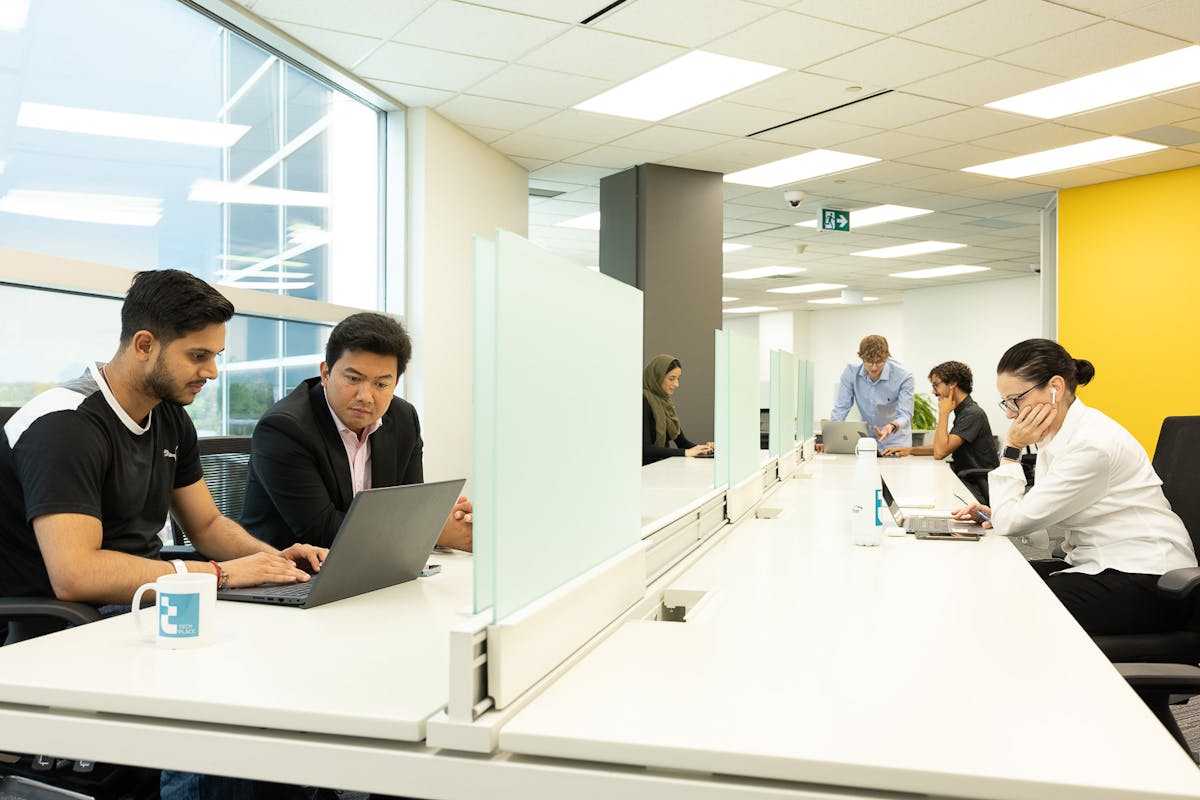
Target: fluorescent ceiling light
(206,191)
(307,234)
(749,310)
(914,249)
(678,85)
(876,215)
(726,247)
(729,299)
(129,126)
(812,164)
(806,288)
(939,272)
(588,222)
(106,209)
(763,272)
(1109,148)
(1148,76)
(837,301)
(13,14)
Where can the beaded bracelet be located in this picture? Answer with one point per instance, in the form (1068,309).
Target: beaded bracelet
(222,575)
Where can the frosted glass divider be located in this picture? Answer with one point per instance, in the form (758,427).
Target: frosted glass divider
(565,373)
(745,449)
(783,402)
(483,381)
(775,407)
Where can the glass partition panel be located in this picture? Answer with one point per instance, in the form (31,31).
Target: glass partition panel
(783,402)
(483,302)
(565,349)
(721,435)
(745,451)
(804,400)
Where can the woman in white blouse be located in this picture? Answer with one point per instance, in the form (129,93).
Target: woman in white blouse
(1094,484)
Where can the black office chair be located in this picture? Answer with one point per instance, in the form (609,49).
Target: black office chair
(226,461)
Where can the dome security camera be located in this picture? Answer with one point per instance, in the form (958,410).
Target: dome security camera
(794,197)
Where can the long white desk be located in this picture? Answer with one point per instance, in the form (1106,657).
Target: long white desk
(942,668)
(927,667)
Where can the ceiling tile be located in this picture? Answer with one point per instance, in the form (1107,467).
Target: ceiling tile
(1132,116)
(1035,138)
(1158,161)
(413,96)
(892,16)
(893,62)
(599,54)
(777,40)
(571,173)
(957,156)
(970,124)
(470,110)
(1092,49)
(800,93)
(523,144)
(364,17)
(951,182)
(618,158)
(729,118)
(541,86)
(890,144)
(981,82)
(742,153)
(1084,176)
(688,23)
(819,132)
(404,63)
(561,10)
(486,135)
(1017,192)
(666,139)
(585,127)
(893,110)
(892,172)
(485,32)
(997,26)
(1189,97)
(1178,18)
(1105,8)
(345,49)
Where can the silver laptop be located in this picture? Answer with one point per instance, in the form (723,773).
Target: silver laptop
(384,540)
(927,523)
(842,437)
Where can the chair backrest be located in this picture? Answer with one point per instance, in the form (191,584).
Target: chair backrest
(225,460)
(1177,462)
(6,413)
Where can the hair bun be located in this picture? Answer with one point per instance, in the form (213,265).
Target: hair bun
(1084,371)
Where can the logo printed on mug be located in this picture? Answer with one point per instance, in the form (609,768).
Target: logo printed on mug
(179,614)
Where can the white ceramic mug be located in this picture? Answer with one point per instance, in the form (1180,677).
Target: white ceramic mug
(184,612)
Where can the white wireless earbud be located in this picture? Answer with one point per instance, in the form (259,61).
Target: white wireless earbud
(1053,395)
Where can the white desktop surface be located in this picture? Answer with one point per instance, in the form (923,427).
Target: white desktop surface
(672,486)
(375,665)
(944,668)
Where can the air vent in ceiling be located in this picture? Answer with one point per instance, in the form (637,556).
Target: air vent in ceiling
(536,192)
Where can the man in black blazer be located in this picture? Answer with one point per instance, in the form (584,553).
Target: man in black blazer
(337,434)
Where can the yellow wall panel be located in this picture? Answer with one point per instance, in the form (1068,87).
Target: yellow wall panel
(1129,294)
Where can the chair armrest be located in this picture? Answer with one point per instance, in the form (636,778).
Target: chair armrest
(1169,678)
(1180,583)
(12,608)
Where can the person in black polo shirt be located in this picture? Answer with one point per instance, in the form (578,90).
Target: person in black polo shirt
(89,469)
(969,439)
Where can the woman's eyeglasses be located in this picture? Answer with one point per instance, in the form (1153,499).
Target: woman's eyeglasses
(1010,403)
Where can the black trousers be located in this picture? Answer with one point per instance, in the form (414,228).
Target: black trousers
(1111,602)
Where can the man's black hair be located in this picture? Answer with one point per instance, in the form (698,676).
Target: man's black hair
(171,303)
(374,333)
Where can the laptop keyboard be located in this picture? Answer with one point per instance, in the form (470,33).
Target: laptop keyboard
(285,590)
(932,524)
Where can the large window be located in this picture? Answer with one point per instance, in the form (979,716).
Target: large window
(141,134)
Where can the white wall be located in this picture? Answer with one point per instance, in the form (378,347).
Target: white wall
(458,188)
(835,334)
(973,323)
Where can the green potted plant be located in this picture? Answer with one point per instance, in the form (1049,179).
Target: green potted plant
(924,418)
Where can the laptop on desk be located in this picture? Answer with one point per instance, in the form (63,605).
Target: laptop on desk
(928,523)
(385,539)
(842,437)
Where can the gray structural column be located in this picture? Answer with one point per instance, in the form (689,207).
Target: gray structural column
(661,231)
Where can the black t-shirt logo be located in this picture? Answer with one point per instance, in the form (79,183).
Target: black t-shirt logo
(171,453)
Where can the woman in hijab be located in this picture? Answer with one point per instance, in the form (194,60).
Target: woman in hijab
(661,434)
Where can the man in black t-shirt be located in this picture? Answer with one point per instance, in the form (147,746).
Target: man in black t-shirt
(89,470)
(969,439)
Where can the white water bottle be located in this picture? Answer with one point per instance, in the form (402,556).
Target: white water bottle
(866,526)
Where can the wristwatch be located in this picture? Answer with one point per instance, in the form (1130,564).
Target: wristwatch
(1011,453)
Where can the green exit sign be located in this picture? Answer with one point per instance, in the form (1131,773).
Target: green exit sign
(834,220)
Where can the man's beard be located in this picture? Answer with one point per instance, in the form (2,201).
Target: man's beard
(159,384)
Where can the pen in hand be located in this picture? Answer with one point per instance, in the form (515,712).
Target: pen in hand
(982,515)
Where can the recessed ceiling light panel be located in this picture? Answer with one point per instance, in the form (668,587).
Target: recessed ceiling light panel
(1096,151)
(805,166)
(914,249)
